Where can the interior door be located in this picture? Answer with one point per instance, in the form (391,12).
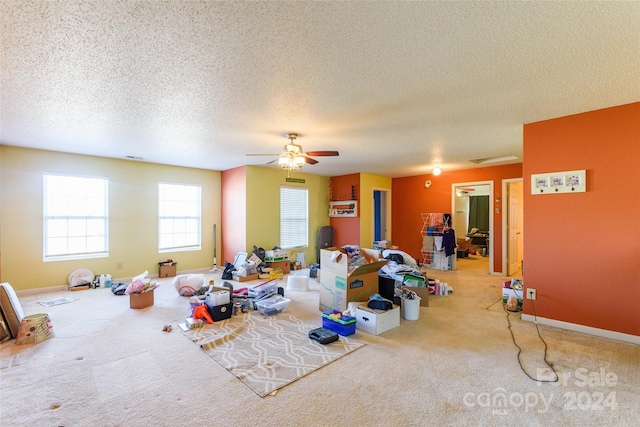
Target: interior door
(514,227)
(380,217)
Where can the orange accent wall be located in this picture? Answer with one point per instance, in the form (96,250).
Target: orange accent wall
(410,199)
(234,214)
(582,251)
(346,230)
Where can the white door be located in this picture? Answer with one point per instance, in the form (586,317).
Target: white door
(514,227)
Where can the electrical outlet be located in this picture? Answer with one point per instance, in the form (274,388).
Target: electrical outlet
(531,294)
(119,266)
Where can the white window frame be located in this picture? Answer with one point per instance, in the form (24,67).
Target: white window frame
(75,217)
(294,217)
(179,217)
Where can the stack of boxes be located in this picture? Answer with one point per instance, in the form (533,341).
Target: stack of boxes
(340,284)
(278,258)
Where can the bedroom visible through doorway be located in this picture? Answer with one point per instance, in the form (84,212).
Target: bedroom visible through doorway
(471,216)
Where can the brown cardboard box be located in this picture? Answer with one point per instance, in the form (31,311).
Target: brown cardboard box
(141,300)
(167,270)
(385,244)
(245,279)
(463,244)
(338,286)
(423,293)
(284,266)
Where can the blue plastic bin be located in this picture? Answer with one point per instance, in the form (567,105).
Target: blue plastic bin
(345,325)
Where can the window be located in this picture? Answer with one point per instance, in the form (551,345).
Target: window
(179,217)
(294,217)
(76,217)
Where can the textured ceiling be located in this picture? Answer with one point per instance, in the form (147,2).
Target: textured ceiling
(397,87)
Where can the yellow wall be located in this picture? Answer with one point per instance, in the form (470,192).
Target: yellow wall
(368,183)
(133,216)
(263,208)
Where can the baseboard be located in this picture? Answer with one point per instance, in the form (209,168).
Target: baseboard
(603,333)
(33,291)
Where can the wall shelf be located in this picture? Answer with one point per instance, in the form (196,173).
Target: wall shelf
(343,208)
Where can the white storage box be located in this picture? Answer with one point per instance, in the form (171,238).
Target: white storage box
(218,298)
(273,305)
(377,321)
(276,255)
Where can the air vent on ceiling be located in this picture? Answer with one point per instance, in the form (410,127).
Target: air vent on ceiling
(493,160)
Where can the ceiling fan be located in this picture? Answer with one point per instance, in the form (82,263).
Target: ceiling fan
(463,192)
(292,157)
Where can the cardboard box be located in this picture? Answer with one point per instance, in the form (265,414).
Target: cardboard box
(338,287)
(283,265)
(464,244)
(276,255)
(167,270)
(384,244)
(141,300)
(246,278)
(423,293)
(377,321)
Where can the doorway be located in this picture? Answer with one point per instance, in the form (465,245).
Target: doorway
(471,209)
(513,221)
(381,216)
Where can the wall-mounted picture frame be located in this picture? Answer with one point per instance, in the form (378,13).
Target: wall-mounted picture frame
(559,182)
(573,180)
(542,182)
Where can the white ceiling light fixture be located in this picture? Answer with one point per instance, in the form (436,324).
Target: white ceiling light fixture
(292,158)
(437,171)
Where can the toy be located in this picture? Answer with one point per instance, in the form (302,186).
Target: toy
(200,312)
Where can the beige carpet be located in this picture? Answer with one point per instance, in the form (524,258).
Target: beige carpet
(267,352)
(110,365)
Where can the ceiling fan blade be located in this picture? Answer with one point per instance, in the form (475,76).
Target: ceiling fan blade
(272,161)
(309,160)
(261,154)
(322,153)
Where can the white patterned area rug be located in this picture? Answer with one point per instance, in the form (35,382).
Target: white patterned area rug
(267,352)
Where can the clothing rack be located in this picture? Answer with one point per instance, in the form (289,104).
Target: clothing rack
(435,229)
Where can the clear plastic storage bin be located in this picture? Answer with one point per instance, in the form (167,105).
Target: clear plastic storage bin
(273,305)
